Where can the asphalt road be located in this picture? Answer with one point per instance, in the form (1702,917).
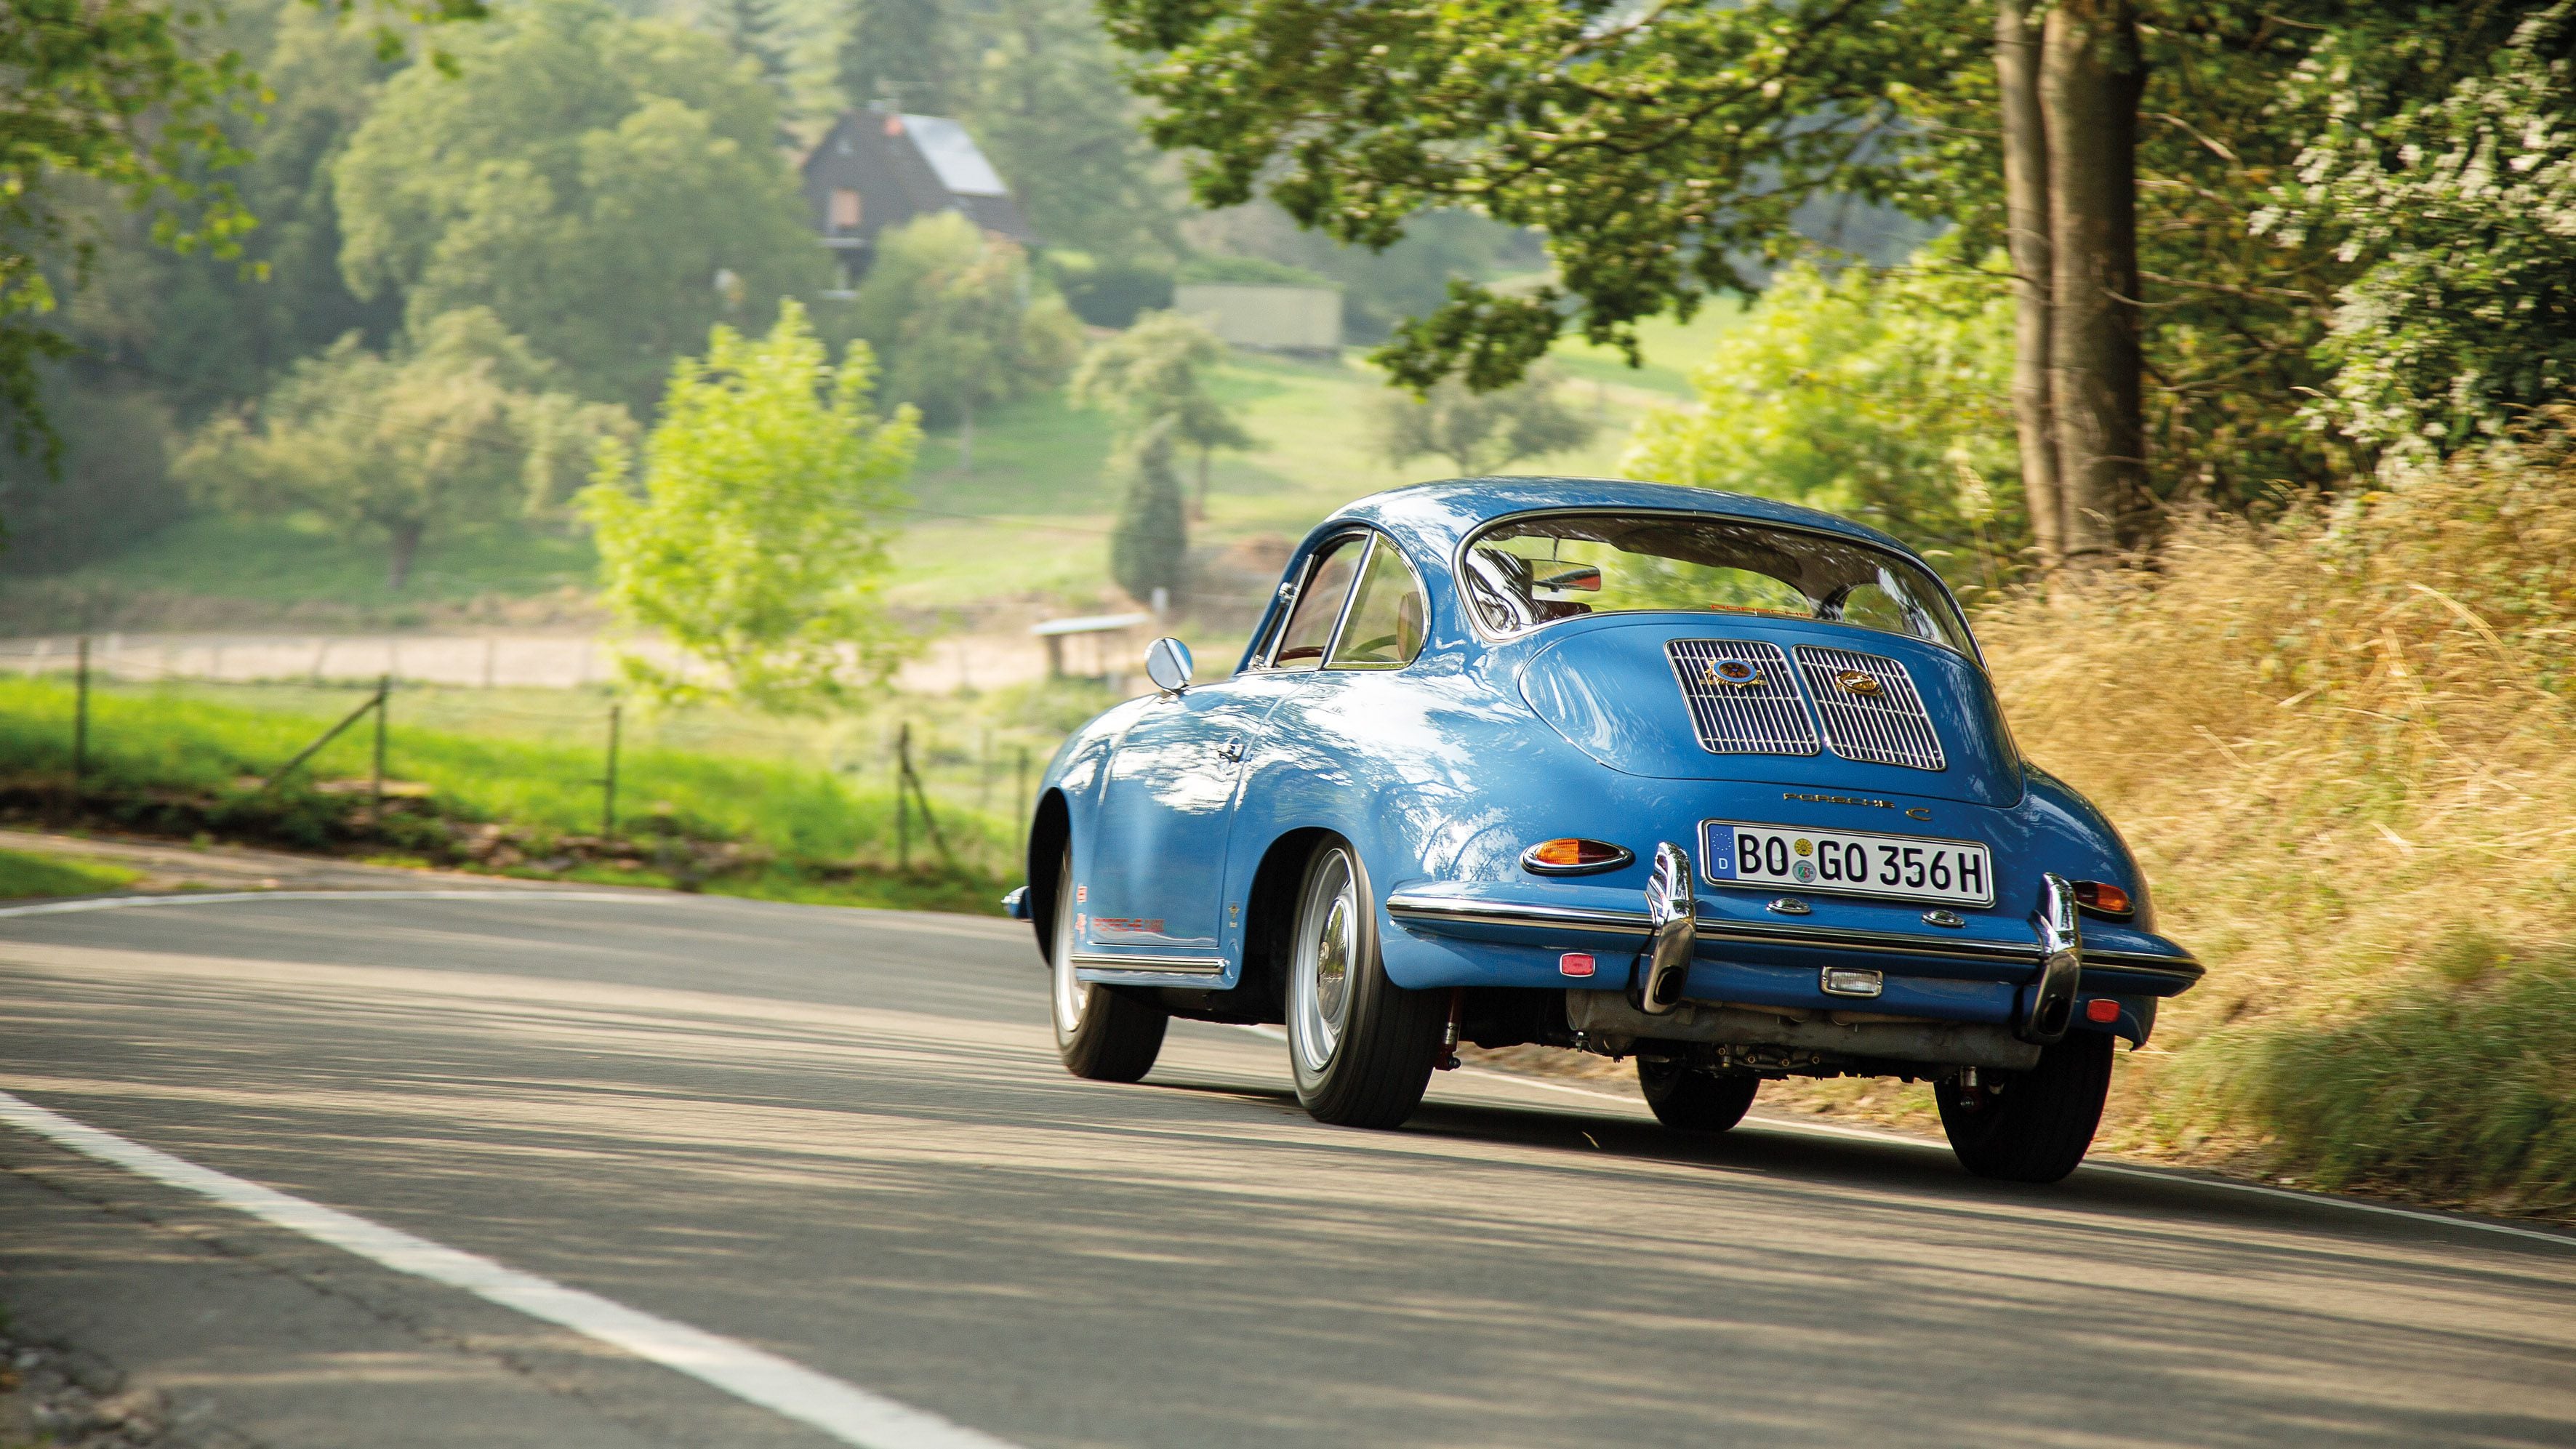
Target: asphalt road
(843,1138)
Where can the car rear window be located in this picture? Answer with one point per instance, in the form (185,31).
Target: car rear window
(1527,572)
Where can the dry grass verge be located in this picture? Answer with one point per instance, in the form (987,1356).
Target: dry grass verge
(2344,748)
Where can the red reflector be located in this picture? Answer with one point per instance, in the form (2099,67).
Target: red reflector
(2102,1010)
(2102,896)
(1574,963)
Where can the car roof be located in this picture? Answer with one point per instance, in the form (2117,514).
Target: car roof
(1436,517)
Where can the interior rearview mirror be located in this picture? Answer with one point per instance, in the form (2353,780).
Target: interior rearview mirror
(1583,578)
(1167,663)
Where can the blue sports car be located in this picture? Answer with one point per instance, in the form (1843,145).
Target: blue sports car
(1706,780)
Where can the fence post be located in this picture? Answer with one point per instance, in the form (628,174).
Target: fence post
(384,699)
(902,799)
(608,785)
(80,715)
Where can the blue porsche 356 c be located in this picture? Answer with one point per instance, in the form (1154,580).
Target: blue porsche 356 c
(1705,780)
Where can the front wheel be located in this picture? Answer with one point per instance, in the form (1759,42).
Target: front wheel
(1689,1101)
(1100,1034)
(2032,1126)
(1360,1046)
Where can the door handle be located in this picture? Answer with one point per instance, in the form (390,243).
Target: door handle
(1231,751)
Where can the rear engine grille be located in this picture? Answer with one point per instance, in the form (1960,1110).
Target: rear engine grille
(1762,715)
(1885,726)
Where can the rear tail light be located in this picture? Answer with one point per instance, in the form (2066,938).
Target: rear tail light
(2102,1011)
(1570,856)
(2103,899)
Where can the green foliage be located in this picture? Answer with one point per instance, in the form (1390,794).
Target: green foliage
(1353,117)
(2457,1089)
(136,99)
(1157,371)
(609,188)
(2465,318)
(1250,270)
(758,546)
(1150,549)
(1882,396)
(461,427)
(1046,105)
(1478,432)
(954,313)
(904,51)
(112,486)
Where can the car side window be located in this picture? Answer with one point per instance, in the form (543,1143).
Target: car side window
(1384,630)
(1319,604)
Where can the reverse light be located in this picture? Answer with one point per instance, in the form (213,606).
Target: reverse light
(2103,899)
(1570,856)
(2102,1011)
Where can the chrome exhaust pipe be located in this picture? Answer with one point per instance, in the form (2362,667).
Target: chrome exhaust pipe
(1672,910)
(2049,1001)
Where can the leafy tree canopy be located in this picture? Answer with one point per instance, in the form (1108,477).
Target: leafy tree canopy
(1157,371)
(1880,396)
(956,315)
(1478,432)
(129,95)
(461,427)
(609,188)
(769,487)
(2464,321)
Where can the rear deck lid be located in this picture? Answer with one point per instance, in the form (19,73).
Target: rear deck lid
(1692,696)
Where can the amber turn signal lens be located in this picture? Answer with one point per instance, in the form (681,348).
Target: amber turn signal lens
(1569,855)
(2110,900)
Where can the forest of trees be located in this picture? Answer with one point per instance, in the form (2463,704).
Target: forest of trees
(330,193)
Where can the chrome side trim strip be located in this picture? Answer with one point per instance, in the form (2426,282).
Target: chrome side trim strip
(1466,912)
(1150,966)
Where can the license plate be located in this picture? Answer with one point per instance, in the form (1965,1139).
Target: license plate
(1847,862)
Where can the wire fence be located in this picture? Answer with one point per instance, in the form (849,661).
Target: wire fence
(969,776)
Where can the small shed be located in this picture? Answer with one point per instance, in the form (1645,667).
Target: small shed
(879,168)
(1276,318)
(1103,632)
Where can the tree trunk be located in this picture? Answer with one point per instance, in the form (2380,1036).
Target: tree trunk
(1200,513)
(2017,65)
(966,434)
(2091,75)
(406,543)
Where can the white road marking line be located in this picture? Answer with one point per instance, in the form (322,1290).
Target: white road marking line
(845,1411)
(2150,1174)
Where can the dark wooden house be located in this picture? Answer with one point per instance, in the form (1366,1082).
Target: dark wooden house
(877,169)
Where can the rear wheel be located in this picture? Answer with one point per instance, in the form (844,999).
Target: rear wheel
(2032,1126)
(1099,1033)
(1690,1101)
(1360,1046)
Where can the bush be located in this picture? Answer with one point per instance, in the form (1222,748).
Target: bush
(2459,1091)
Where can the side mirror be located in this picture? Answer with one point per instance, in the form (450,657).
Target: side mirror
(1167,663)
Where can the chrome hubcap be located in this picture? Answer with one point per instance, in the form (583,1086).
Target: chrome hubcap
(1072,996)
(1320,982)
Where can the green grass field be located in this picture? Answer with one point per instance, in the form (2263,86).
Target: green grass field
(812,805)
(1031,520)
(30,873)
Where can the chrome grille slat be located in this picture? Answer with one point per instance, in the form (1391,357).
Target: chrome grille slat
(1892,729)
(1763,718)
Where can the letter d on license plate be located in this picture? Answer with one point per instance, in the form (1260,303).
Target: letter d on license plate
(1847,862)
